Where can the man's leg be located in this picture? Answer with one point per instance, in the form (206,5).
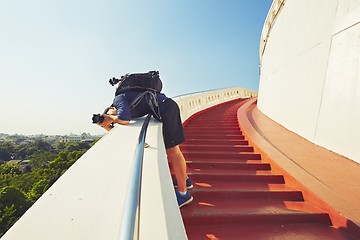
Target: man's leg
(177,160)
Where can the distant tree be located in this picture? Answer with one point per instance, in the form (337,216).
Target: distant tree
(41,159)
(7,145)
(39,188)
(13,204)
(59,164)
(60,145)
(23,181)
(19,189)
(65,160)
(9,169)
(42,145)
(6,151)
(73,146)
(93,143)
(13,196)
(5,154)
(25,150)
(75,155)
(7,218)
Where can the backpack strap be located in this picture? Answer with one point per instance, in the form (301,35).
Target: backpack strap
(152,101)
(137,100)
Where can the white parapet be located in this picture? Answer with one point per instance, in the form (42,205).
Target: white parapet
(195,102)
(87,201)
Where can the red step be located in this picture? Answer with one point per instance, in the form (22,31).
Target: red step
(212,125)
(206,127)
(216,141)
(255,165)
(273,231)
(214,136)
(236,195)
(218,148)
(215,210)
(222,155)
(213,131)
(222,160)
(208,118)
(210,129)
(240,176)
(246,194)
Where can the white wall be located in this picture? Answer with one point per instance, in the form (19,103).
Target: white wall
(310,68)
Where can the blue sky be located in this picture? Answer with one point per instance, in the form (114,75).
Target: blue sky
(56,56)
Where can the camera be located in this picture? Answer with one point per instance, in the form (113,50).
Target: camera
(97,118)
(114,81)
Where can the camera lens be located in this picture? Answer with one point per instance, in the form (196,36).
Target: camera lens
(97,118)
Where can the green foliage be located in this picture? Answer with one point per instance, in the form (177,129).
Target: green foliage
(6,150)
(8,169)
(8,218)
(29,149)
(61,145)
(5,154)
(19,189)
(73,146)
(13,204)
(38,188)
(10,196)
(41,159)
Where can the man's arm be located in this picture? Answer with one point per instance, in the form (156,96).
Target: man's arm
(115,119)
(109,119)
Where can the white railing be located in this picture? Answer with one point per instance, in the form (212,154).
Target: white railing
(269,22)
(87,201)
(195,102)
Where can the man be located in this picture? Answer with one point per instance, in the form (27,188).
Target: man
(166,111)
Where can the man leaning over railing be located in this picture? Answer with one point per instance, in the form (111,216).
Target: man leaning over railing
(133,104)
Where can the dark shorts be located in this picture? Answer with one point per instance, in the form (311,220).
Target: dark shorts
(173,131)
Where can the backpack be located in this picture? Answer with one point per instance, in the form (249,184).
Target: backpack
(142,82)
(147,83)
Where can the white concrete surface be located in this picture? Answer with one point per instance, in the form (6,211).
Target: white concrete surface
(310,66)
(87,201)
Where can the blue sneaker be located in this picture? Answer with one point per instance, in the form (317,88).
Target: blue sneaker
(188,183)
(183,199)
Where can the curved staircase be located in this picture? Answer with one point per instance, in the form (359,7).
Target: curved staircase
(236,195)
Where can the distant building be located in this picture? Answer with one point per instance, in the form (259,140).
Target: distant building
(52,139)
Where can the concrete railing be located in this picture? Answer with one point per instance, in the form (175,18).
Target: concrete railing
(87,201)
(269,22)
(195,102)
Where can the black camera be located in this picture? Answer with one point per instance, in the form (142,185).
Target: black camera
(97,118)
(114,81)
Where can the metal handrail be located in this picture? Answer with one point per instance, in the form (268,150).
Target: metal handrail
(130,219)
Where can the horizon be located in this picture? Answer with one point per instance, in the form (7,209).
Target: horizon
(42,134)
(57,56)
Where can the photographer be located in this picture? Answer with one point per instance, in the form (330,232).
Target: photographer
(165,110)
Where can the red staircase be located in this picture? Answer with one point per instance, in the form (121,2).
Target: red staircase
(236,195)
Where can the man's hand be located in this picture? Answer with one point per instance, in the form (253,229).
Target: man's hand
(107,122)
(109,119)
